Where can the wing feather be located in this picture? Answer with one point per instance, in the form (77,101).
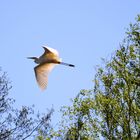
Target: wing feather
(41,72)
(50,50)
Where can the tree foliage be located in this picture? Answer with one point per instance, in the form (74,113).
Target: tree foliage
(117,89)
(18,124)
(112,109)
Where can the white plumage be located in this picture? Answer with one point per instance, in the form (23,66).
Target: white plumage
(46,63)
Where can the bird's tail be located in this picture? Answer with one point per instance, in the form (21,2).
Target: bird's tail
(66,64)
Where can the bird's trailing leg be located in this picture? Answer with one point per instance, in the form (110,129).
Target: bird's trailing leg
(66,64)
(31,58)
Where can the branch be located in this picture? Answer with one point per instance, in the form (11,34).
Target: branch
(33,130)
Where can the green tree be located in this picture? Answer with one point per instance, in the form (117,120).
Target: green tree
(18,124)
(117,89)
(112,109)
(80,121)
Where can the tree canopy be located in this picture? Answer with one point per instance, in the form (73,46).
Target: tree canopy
(18,124)
(111,110)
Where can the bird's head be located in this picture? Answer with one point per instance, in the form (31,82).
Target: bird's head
(34,58)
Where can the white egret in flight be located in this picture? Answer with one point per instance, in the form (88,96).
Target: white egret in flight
(46,63)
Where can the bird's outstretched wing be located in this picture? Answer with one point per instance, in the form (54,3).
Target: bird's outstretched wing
(42,72)
(49,50)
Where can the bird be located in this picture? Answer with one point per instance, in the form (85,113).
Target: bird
(46,62)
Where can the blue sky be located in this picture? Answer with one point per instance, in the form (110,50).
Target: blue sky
(82,31)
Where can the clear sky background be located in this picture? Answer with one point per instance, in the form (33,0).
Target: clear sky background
(82,31)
